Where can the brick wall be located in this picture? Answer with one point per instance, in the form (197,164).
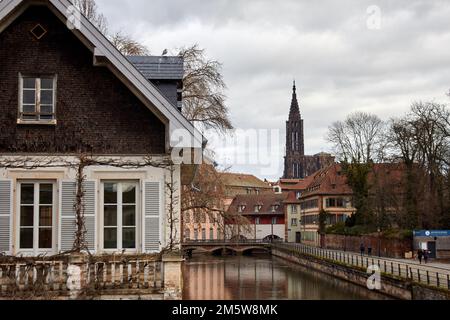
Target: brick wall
(95,112)
(392,248)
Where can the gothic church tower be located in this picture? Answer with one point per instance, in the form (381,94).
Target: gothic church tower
(295,141)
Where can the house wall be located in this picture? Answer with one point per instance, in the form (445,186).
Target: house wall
(95,111)
(291,229)
(99,174)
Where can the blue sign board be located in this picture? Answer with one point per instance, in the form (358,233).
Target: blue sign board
(432,233)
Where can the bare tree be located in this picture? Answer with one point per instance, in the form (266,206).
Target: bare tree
(205,200)
(128,46)
(360,138)
(89,9)
(203,93)
(123,42)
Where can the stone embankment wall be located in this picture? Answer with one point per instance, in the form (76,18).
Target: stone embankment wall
(390,286)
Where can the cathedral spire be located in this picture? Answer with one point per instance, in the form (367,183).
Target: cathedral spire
(295,109)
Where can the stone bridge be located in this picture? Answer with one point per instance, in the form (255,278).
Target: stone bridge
(225,246)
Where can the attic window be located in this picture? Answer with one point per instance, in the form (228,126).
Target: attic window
(38,31)
(37,99)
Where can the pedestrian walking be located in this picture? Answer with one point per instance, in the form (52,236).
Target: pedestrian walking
(420,255)
(362,248)
(426,255)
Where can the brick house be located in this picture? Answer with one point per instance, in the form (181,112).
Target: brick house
(265,213)
(66,91)
(329,191)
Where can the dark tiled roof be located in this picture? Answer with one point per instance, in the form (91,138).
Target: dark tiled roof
(266,201)
(159,67)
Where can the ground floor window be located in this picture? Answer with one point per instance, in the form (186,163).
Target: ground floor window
(36,215)
(120,201)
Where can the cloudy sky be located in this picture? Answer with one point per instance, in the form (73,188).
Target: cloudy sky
(376,56)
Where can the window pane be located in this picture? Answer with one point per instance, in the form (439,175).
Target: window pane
(46,97)
(30,118)
(27,194)
(45,238)
(29,83)
(129,193)
(46,83)
(26,216)
(26,238)
(110,241)
(46,117)
(129,238)
(110,193)
(46,109)
(29,96)
(110,216)
(46,194)
(31,108)
(45,216)
(129,216)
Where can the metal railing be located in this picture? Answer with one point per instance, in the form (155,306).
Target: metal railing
(230,242)
(423,274)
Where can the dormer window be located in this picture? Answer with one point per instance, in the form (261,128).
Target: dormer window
(241,208)
(37,99)
(258,208)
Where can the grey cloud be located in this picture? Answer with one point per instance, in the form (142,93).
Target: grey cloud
(340,65)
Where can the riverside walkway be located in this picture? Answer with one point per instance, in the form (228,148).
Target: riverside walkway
(432,274)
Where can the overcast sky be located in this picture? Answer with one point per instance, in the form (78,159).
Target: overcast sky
(342,58)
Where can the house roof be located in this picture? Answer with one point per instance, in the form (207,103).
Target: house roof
(333,181)
(266,201)
(292,198)
(159,67)
(295,184)
(328,181)
(105,54)
(243,180)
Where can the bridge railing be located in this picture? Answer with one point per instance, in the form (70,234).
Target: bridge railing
(230,242)
(424,274)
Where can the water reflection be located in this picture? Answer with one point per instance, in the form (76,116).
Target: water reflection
(262,278)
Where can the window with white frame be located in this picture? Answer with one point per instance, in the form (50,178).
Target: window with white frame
(36,216)
(37,99)
(120,215)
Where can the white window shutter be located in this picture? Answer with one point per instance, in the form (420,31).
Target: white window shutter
(152,217)
(90,213)
(68,227)
(6,216)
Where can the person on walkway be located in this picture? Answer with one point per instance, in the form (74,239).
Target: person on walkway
(362,248)
(426,256)
(420,255)
(369,250)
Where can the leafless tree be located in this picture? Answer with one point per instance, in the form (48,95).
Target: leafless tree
(89,9)
(203,93)
(360,138)
(123,42)
(206,200)
(128,46)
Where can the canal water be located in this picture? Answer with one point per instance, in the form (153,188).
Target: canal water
(262,277)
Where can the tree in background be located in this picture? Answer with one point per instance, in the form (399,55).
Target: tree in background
(123,42)
(360,138)
(203,93)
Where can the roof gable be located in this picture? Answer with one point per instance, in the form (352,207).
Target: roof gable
(105,54)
